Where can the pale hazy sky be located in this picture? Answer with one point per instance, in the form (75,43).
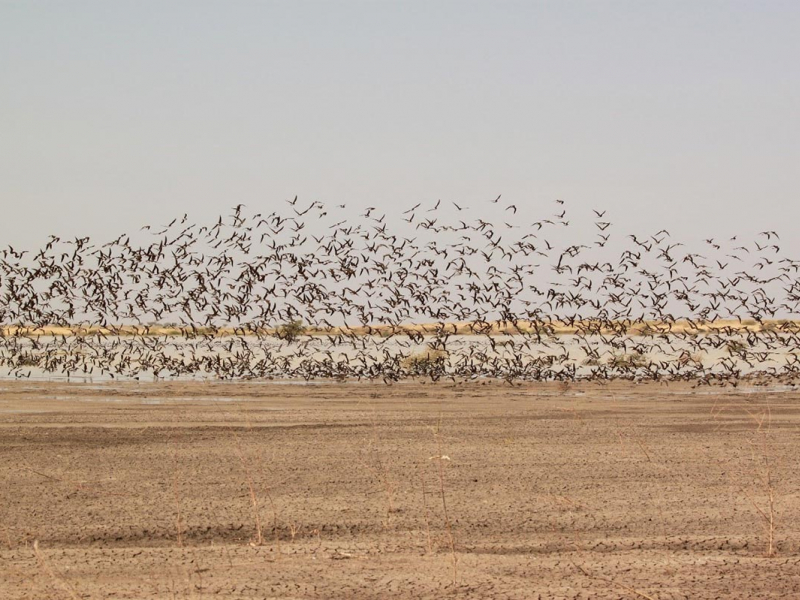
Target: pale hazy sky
(679,114)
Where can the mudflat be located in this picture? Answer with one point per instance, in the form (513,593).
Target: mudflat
(412,490)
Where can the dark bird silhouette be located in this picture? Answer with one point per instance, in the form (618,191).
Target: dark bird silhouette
(296,293)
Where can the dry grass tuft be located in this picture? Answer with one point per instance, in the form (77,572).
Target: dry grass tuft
(425,361)
(634,360)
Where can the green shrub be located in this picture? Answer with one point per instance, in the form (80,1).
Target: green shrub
(291,331)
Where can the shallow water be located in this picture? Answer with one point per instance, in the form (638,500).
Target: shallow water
(566,352)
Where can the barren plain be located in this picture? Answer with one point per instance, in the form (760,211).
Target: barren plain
(413,490)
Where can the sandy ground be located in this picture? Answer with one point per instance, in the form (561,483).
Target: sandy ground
(194,490)
(460,328)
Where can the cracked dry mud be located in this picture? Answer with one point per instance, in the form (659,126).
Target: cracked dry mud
(159,490)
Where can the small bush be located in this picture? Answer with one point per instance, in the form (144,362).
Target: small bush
(425,362)
(27,360)
(627,361)
(291,331)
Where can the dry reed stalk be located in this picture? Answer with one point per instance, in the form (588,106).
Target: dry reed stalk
(584,571)
(380,470)
(57,577)
(78,486)
(293,530)
(267,490)
(172,589)
(440,458)
(768,513)
(389,486)
(425,508)
(259,541)
(178,514)
(765,474)
(176,492)
(627,588)
(8,537)
(657,464)
(254,500)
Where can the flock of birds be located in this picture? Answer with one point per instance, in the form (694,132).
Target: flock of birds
(313,291)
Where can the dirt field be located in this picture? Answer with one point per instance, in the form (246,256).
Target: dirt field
(249,490)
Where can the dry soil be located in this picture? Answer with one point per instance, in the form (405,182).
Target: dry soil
(263,490)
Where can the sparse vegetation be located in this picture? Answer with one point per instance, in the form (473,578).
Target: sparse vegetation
(27,360)
(291,331)
(632,360)
(449,505)
(425,362)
